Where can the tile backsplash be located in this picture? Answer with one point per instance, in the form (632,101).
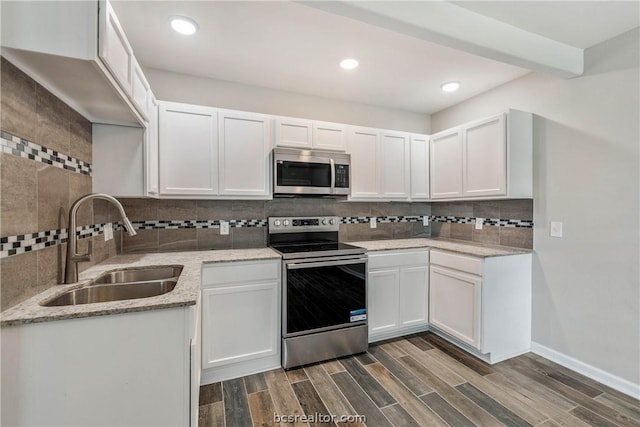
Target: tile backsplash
(166,225)
(45,166)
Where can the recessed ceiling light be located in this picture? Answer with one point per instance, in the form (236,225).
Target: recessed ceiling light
(450,86)
(183,25)
(349,64)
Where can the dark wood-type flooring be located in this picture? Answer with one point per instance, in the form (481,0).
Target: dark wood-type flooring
(420,380)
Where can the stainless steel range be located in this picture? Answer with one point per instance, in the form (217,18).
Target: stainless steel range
(324,290)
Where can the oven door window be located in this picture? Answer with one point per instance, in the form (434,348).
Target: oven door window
(302,174)
(325,297)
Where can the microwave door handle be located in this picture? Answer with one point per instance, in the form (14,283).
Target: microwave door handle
(333,176)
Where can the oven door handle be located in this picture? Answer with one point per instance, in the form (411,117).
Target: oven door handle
(299,265)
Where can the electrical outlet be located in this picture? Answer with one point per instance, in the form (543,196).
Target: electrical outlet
(373,223)
(425,220)
(479,222)
(224,228)
(108,232)
(555,229)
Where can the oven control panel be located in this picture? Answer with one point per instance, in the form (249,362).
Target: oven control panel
(292,224)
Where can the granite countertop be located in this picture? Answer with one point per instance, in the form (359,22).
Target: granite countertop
(184,294)
(463,247)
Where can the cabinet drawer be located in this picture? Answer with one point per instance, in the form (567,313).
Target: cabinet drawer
(394,259)
(236,272)
(468,264)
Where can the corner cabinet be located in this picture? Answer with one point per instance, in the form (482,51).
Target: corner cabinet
(487,158)
(62,43)
(380,164)
(397,293)
(209,153)
(240,299)
(482,304)
(419,167)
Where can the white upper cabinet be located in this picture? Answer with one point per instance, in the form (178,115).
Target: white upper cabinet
(211,153)
(394,165)
(419,167)
(329,136)
(309,134)
(151,151)
(62,43)
(115,51)
(291,132)
(140,91)
(244,154)
(380,164)
(188,150)
(487,158)
(446,164)
(484,157)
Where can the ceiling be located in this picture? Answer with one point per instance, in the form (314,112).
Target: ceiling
(292,47)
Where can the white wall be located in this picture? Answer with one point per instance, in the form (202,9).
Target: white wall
(586,174)
(168,86)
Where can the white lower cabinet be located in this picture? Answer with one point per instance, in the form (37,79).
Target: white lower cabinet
(129,369)
(240,319)
(397,293)
(482,304)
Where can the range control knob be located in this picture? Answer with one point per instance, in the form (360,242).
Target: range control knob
(286,222)
(277,223)
(325,222)
(333,221)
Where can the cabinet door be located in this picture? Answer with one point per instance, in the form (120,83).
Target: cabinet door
(115,51)
(454,304)
(484,157)
(382,300)
(329,136)
(151,152)
(363,147)
(446,164)
(414,286)
(247,311)
(419,167)
(188,150)
(245,148)
(140,90)
(293,133)
(394,165)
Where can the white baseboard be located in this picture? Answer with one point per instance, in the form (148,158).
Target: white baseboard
(615,382)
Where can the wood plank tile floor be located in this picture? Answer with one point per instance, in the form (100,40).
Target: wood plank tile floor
(418,380)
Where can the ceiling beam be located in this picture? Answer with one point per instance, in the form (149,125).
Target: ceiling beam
(453,26)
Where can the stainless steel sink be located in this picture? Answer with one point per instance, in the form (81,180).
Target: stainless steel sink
(144,274)
(112,292)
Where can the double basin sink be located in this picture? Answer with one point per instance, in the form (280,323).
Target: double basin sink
(122,284)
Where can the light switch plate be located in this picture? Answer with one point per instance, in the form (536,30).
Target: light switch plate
(373,223)
(224,228)
(479,222)
(555,229)
(425,220)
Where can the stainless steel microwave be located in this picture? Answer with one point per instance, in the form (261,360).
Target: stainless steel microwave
(309,172)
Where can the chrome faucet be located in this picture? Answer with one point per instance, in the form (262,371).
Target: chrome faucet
(73,258)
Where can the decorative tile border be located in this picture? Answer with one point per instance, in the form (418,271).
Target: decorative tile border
(497,222)
(15,245)
(20,147)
